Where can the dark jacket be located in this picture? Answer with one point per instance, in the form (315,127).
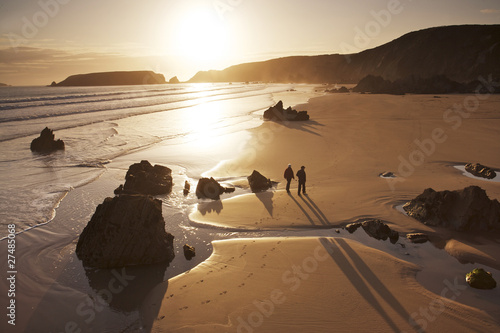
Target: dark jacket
(301,174)
(288,174)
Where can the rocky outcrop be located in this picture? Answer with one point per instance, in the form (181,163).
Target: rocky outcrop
(417,237)
(46,143)
(278,113)
(113,79)
(480,170)
(462,210)
(174,80)
(340,90)
(438,84)
(189,251)
(126,230)
(376,229)
(211,189)
(187,187)
(480,279)
(258,182)
(145,178)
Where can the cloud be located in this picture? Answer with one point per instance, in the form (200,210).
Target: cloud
(490,11)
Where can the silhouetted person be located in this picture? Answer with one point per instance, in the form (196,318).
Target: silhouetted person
(288,176)
(301,175)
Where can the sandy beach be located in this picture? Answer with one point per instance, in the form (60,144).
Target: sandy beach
(252,285)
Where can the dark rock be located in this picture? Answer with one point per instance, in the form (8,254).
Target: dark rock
(45,143)
(144,178)
(464,210)
(278,113)
(437,84)
(126,230)
(189,251)
(480,279)
(376,229)
(174,80)
(211,189)
(258,182)
(341,90)
(480,170)
(352,227)
(187,187)
(417,237)
(387,174)
(379,230)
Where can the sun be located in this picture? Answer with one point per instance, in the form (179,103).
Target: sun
(201,36)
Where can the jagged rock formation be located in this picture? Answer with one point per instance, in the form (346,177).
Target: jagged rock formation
(461,53)
(376,229)
(340,90)
(126,230)
(258,182)
(46,143)
(145,178)
(278,113)
(209,188)
(174,80)
(189,251)
(112,79)
(480,170)
(462,210)
(480,279)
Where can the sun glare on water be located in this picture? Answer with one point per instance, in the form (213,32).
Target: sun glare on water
(201,36)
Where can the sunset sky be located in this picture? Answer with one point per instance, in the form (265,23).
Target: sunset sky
(46,40)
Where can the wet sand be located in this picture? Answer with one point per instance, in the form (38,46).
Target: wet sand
(349,141)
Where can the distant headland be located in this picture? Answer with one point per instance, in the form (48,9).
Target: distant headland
(462,53)
(4,85)
(112,79)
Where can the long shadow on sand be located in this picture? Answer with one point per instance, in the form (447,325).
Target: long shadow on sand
(311,220)
(365,274)
(315,209)
(267,199)
(306,126)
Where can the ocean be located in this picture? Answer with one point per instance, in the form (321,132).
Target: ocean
(101,124)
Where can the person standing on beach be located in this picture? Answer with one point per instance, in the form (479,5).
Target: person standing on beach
(288,176)
(301,175)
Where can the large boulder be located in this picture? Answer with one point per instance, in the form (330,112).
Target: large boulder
(258,182)
(480,279)
(376,229)
(278,113)
(480,170)
(144,178)
(46,143)
(462,210)
(211,189)
(126,230)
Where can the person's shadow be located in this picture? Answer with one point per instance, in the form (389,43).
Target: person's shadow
(315,209)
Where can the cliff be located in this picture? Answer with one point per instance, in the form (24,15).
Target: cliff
(112,79)
(461,53)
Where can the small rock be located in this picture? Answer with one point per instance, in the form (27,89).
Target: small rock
(387,174)
(480,279)
(187,187)
(189,251)
(258,182)
(352,227)
(417,237)
(145,178)
(46,143)
(211,189)
(480,170)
